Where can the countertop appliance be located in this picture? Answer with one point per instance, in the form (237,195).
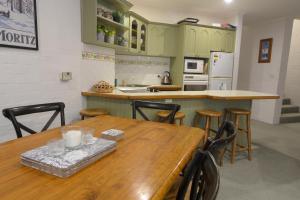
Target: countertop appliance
(195,82)
(194,65)
(166,79)
(221,71)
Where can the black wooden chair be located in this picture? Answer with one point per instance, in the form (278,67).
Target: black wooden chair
(12,113)
(137,105)
(224,137)
(202,177)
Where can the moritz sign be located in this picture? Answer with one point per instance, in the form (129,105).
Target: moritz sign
(18,24)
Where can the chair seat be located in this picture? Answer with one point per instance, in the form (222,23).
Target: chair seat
(238,111)
(93,112)
(209,113)
(165,114)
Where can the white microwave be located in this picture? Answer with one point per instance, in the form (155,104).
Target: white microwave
(194,66)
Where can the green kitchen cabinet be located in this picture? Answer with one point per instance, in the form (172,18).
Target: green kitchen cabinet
(217,40)
(93,20)
(162,40)
(222,40)
(202,42)
(138,34)
(190,41)
(229,41)
(197,41)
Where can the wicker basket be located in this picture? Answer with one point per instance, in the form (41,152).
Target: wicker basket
(102,87)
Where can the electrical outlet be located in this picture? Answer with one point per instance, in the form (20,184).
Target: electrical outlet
(66,76)
(168,101)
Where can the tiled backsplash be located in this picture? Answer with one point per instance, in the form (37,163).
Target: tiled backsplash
(140,69)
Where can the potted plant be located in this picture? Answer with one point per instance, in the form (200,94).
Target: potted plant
(110,36)
(101,33)
(117,16)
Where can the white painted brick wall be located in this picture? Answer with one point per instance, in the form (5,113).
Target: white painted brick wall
(145,69)
(31,77)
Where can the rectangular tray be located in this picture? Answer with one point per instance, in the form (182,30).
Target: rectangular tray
(40,159)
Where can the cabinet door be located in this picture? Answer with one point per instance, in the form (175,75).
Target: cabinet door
(229,41)
(217,40)
(170,37)
(190,41)
(203,48)
(143,37)
(134,34)
(156,40)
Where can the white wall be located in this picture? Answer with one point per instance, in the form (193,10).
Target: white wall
(31,77)
(293,73)
(145,69)
(267,77)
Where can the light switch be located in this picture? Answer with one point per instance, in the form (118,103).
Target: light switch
(66,76)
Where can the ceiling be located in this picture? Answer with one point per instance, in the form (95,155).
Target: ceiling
(253,10)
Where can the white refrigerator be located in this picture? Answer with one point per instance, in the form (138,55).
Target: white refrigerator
(221,71)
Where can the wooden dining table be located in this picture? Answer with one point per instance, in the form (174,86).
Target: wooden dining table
(144,166)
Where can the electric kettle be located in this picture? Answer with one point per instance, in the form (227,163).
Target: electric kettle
(166,79)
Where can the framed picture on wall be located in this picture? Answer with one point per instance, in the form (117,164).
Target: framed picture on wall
(265,50)
(18,24)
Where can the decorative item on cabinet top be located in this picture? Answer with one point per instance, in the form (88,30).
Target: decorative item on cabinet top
(141,62)
(97,56)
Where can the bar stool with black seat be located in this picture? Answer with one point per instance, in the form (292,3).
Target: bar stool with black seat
(163,116)
(92,112)
(137,107)
(208,115)
(12,113)
(236,114)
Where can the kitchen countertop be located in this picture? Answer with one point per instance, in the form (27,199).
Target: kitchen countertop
(209,94)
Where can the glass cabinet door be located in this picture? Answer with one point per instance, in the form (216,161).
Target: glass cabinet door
(134,35)
(143,37)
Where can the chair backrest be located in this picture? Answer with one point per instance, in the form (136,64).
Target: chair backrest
(226,127)
(217,146)
(12,113)
(203,175)
(137,105)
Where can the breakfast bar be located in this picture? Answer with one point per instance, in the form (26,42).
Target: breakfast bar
(119,103)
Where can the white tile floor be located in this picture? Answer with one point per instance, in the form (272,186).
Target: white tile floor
(274,173)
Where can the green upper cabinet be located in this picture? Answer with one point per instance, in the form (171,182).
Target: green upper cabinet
(105,23)
(190,41)
(217,40)
(199,41)
(162,40)
(138,34)
(222,40)
(202,42)
(229,39)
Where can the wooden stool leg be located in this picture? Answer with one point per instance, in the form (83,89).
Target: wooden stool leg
(196,120)
(249,138)
(207,128)
(181,122)
(82,117)
(233,149)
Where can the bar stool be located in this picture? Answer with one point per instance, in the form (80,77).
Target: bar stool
(163,115)
(237,114)
(208,115)
(93,112)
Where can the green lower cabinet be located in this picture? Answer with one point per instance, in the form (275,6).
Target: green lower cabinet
(162,40)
